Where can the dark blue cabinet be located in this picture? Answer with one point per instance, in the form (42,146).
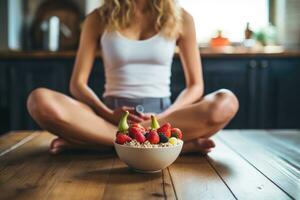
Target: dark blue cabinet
(281,90)
(268,88)
(97,80)
(177,78)
(237,75)
(4,101)
(25,76)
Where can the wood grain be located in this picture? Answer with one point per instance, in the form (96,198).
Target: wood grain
(85,177)
(168,186)
(244,165)
(31,173)
(124,183)
(22,168)
(258,149)
(289,139)
(194,178)
(10,140)
(241,177)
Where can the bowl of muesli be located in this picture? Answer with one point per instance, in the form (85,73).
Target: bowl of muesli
(147,149)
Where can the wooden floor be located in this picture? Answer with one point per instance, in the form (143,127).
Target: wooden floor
(245,165)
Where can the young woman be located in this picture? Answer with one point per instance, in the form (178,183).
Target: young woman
(137,39)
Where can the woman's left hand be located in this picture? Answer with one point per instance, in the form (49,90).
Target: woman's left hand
(146,116)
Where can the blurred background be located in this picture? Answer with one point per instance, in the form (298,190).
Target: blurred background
(251,47)
(25,24)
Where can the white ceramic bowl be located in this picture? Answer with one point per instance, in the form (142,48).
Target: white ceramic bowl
(148,159)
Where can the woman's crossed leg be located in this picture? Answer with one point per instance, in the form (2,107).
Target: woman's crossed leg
(77,125)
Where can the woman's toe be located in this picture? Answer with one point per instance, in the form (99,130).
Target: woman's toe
(58,145)
(202,145)
(55,151)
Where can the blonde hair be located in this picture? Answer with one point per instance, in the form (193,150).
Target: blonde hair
(117,14)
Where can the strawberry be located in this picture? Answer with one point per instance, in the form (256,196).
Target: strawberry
(138,126)
(153,137)
(122,138)
(120,132)
(165,129)
(176,132)
(133,131)
(140,137)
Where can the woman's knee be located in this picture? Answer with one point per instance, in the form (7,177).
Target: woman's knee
(223,107)
(42,106)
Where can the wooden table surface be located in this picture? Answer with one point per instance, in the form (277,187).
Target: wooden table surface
(252,164)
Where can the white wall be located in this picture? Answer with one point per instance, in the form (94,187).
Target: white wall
(91,5)
(280,15)
(287,21)
(15,22)
(230,16)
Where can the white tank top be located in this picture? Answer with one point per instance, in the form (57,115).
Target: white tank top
(137,68)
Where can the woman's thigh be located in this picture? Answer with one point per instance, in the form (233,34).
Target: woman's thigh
(205,117)
(214,102)
(49,103)
(68,117)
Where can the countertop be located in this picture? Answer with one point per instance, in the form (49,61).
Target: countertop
(205,53)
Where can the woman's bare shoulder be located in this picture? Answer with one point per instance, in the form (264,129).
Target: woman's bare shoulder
(187,18)
(93,21)
(187,24)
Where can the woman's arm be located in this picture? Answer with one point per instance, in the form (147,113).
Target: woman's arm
(190,59)
(89,43)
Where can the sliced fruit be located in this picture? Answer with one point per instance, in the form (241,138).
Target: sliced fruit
(122,139)
(140,138)
(173,140)
(153,137)
(138,126)
(123,125)
(154,123)
(176,132)
(135,130)
(165,129)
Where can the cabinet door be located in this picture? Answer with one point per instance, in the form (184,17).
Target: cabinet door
(237,75)
(4,113)
(26,75)
(177,78)
(97,78)
(283,93)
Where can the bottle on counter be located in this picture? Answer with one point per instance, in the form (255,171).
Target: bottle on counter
(248,32)
(248,40)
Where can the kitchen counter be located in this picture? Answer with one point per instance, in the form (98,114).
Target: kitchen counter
(205,53)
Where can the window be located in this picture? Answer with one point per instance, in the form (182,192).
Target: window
(230,16)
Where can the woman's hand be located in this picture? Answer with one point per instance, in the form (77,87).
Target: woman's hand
(133,117)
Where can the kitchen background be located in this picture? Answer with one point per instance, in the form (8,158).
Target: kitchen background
(248,46)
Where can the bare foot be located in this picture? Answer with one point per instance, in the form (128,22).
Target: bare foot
(202,145)
(58,145)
